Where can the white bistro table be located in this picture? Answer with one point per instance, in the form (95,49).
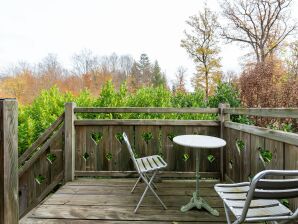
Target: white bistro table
(198,142)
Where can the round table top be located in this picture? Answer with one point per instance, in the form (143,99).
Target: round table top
(199,141)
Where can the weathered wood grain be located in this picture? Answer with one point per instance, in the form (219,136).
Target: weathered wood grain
(42,138)
(166,174)
(290,138)
(98,200)
(245,156)
(80,144)
(228,154)
(222,118)
(120,156)
(291,163)
(69,158)
(92,191)
(277,150)
(175,183)
(147,147)
(265,112)
(145,110)
(9,206)
(235,156)
(38,153)
(256,143)
(81,221)
(143,122)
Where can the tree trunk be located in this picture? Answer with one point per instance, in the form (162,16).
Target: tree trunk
(206,86)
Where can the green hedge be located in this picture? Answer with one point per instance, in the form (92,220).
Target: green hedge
(35,118)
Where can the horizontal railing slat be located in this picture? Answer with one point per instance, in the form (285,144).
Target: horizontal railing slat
(41,139)
(265,112)
(290,138)
(145,110)
(146,122)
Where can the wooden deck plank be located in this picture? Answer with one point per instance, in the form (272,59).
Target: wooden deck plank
(120,190)
(122,213)
(82,221)
(129,201)
(110,201)
(130,182)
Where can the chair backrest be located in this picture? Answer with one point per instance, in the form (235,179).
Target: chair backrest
(132,155)
(261,188)
(276,189)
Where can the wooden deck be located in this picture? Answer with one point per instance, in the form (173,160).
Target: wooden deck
(109,201)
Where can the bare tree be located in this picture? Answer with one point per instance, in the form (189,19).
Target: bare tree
(84,62)
(113,62)
(260,24)
(229,77)
(126,62)
(292,60)
(179,82)
(201,45)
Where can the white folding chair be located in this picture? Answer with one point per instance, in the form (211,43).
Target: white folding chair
(144,166)
(257,201)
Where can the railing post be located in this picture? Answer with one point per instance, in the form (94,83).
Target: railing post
(9,203)
(222,118)
(69,148)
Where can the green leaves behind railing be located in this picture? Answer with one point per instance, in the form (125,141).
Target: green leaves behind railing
(185,157)
(86,156)
(51,157)
(136,155)
(40,179)
(161,154)
(147,136)
(119,137)
(109,156)
(96,136)
(285,202)
(240,145)
(265,155)
(211,158)
(171,136)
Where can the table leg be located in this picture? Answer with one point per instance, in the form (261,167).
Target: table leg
(196,200)
(197,172)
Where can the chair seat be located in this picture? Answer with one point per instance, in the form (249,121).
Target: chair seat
(151,163)
(234,197)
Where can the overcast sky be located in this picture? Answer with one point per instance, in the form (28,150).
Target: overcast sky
(31,29)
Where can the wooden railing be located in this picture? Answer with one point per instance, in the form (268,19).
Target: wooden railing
(9,208)
(251,149)
(99,149)
(41,167)
(94,147)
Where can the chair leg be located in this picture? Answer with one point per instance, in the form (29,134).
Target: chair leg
(152,190)
(136,184)
(148,179)
(227,213)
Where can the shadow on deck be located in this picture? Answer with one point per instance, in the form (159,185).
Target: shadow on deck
(110,201)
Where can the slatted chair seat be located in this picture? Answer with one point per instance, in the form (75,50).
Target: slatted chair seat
(146,166)
(150,163)
(235,196)
(257,200)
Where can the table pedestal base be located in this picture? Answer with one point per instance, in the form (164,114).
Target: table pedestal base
(199,203)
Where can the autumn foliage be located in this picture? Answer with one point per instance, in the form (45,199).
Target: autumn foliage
(268,85)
